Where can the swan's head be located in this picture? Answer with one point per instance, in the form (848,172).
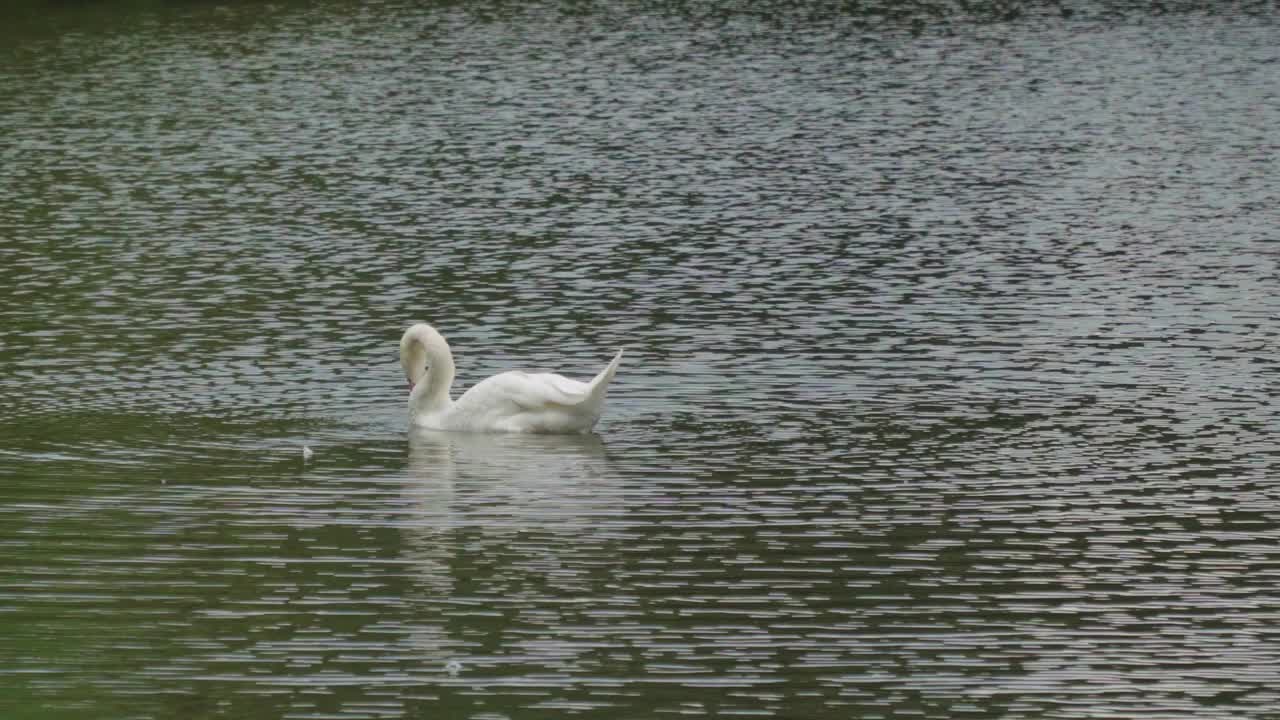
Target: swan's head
(417,346)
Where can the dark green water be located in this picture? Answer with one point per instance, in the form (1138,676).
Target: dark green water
(949,387)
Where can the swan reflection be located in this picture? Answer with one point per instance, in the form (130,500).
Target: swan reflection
(496,480)
(498,520)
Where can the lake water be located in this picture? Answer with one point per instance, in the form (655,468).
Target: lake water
(949,388)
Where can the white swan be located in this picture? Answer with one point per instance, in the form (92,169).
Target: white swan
(508,402)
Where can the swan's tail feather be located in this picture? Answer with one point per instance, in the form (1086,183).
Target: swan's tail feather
(600,383)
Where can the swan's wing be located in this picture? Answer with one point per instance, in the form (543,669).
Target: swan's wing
(526,391)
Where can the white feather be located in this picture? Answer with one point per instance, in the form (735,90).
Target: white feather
(508,402)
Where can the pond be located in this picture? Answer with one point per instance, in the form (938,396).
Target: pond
(948,390)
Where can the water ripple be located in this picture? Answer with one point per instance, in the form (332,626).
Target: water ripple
(947,393)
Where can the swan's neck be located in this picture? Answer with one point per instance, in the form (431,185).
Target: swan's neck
(432,393)
(428,364)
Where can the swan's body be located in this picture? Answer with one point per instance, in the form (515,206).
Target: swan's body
(508,402)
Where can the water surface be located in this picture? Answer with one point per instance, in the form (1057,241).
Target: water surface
(947,392)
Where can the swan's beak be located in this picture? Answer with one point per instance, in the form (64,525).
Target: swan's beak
(410,386)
